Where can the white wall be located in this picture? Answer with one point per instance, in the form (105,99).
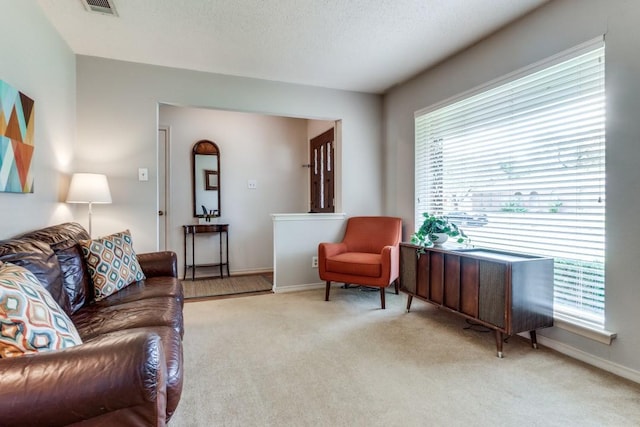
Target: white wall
(268,149)
(318,127)
(557,26)
(118,119)
(38,63)
(292,255)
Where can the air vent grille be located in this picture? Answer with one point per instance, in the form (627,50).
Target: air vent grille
(105,7)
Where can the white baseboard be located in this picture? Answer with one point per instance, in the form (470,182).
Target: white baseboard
(212,272)
(585,357)
(251,271)
(296,288)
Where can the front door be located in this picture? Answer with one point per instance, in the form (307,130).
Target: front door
(322,172)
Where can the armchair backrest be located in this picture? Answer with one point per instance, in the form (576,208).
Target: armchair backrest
(372,233)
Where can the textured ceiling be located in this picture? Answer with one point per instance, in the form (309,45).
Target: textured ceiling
(359,45)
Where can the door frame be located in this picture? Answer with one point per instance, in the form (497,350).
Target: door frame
(164,176)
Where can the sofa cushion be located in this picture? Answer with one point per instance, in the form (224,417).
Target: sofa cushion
(63,240)
(75,277)
(30,319)
(55,234)
(112,263)
(39,259)
(97,319)
(149,288)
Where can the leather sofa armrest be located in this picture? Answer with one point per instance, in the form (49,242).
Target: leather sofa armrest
(111,373)
(156,264)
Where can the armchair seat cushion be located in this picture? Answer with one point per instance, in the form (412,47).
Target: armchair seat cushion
(356,264)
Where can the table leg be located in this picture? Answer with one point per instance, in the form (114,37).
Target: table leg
(184,275)
(193,257)
(226,260)
(220,247)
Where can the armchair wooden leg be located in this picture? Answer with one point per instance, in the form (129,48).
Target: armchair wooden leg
(382,290)
(327,290)
(396,282)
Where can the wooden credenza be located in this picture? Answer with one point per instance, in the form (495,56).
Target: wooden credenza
(507,292)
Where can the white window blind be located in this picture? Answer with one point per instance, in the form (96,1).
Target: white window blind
(521,167)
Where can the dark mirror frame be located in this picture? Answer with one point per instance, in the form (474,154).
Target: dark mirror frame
(205,147)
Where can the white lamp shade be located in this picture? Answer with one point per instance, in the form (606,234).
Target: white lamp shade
(89,188)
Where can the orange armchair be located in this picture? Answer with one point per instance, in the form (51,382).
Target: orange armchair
(368,254)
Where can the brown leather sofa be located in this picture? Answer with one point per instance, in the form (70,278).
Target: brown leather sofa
(128,369)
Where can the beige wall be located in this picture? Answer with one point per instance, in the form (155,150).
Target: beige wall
(38,63)
(118,119)
(559,25)
(268,149)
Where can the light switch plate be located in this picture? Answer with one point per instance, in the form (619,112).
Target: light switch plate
(143,174)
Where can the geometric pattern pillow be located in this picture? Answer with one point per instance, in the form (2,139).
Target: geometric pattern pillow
(112,263)
(30,319)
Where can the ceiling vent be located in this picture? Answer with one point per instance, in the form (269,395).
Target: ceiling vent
(105,7)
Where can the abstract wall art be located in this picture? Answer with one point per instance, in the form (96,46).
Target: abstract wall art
(17,124)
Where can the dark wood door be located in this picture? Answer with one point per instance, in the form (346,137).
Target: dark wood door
(322,175)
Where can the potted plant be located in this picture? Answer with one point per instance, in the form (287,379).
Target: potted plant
(435,230)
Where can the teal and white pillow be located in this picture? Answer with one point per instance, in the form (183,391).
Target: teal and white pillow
(112,263)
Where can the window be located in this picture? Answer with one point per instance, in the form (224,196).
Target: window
(521,167)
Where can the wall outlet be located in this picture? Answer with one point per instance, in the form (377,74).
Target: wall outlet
(314,262)
(252,184)
(143,174)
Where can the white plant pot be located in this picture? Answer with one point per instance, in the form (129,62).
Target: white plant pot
(438,238)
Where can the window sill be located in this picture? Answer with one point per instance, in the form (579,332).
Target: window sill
(600,335)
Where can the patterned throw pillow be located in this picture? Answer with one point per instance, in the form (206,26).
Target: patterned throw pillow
(112,263)
(30,319)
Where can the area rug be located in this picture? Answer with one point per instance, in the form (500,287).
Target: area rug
(204,288)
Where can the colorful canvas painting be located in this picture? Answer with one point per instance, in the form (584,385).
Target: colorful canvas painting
(16,140)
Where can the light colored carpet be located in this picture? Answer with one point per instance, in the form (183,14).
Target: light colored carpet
(200,288)
(295,360)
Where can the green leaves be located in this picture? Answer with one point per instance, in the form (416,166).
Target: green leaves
(436,225)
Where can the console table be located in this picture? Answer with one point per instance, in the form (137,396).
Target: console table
(195,229)
(507,292)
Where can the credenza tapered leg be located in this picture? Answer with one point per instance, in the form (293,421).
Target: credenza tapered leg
(499,344)
(534,339)
(409,299)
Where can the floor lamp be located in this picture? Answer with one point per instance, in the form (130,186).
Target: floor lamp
(89,188)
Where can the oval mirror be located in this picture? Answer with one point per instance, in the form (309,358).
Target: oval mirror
(205,180)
